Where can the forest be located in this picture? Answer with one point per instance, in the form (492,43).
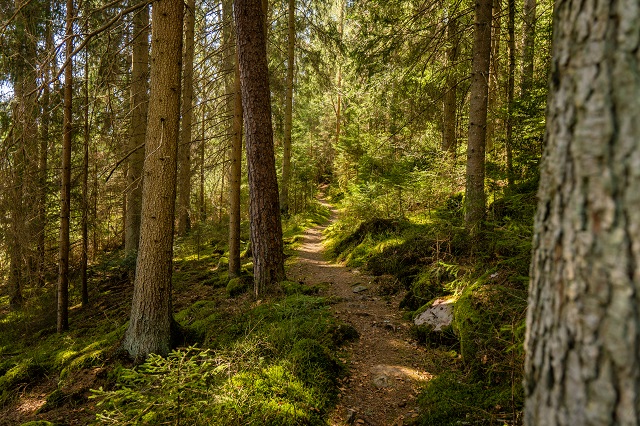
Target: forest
(319,212)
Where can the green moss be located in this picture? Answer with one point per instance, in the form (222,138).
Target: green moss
(237,286)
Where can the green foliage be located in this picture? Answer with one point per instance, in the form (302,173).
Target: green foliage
(274,364)
(238,285)
(453,398)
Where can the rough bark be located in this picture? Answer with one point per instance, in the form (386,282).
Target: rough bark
(84,225)
(495,74)
(339,79)
(151,320)
(139,108)
(475,197)
(583,322)
(234,106)
(529,33)
(184,149)
(43,154)
(65,189)
(449,139)
(288,110)
(511,44)
(264,209)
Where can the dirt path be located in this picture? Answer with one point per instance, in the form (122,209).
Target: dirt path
(386,367)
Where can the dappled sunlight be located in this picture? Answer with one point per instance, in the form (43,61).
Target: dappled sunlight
(30,405)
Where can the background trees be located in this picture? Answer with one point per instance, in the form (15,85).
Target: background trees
(365,96)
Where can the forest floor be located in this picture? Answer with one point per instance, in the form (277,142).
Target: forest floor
(386,366)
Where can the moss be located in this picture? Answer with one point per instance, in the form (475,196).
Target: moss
(454,399)
(292,287)
(223,263)
(237,286)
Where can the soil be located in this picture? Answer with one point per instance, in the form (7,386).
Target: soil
(386,366)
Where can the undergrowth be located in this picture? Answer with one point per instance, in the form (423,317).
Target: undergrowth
(434,257)
(279,358)
(276,365)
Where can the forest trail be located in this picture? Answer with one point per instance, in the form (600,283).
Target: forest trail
(386,366)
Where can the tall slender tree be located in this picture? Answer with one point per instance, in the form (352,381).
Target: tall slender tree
(475,196)
(449,137)
(264,209)
(84,225)
(151,322)
(184,149)
(65,190)
(139,108)
(529,33)
(288,109)
(583,340)
(234,107)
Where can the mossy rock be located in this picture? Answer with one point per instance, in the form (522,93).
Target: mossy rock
(487,320)
(238,285)
(223,263)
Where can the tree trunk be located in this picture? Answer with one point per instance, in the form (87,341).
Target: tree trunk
(139,109)
(85,180)
(234,106)
(511,42)
(264,209)
(475,197)
(202,208)
(495,72)
(151,320)
(583,339)
(449,139)
(184,149)
(339,79)
(43,154)
(529,31)
(65,191)
(288,110)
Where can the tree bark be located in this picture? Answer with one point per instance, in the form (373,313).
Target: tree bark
(449,139)
(184,149)
(43,155)
(139,110)
(288,110)
(65,190)
(234,106)
(84,259)
(150,325)
(475,197)
(583,322)
(529,32)
(495,73)
(264,209)
(511,44)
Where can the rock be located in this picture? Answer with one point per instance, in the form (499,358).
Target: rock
(438,315)
(360,288)
(381,381)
